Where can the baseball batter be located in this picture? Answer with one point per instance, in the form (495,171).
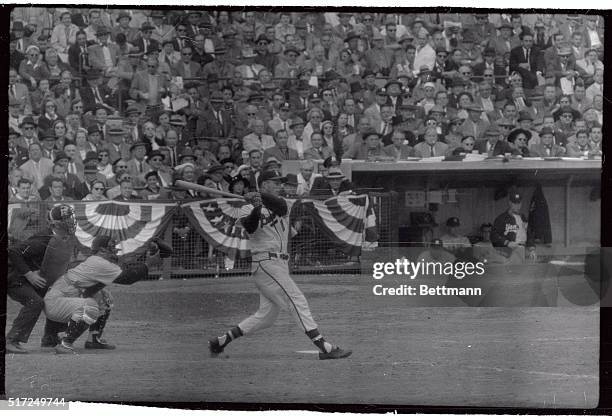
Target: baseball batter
(268,227)
(80,299)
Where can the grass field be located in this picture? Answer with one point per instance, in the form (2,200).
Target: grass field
(402,354)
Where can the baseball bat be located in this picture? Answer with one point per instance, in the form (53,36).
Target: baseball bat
(202,188)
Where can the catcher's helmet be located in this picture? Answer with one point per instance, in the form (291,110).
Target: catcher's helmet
(62,217)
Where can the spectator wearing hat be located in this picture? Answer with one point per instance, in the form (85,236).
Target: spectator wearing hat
(64,33)
(48,147)
(93,92)
(155,160)
(263,55)
(493,144)
(333,184)
(506,40)
(137,166)
(104,54)
(509,234)
(370,147)
(145,41)
(474,125)
(215,121)
(216,174)
(378,59)
(124,27)
(296,137)
(526,60)
(563,65)
(220,65)
(115,144)
(289,67)
(546,146)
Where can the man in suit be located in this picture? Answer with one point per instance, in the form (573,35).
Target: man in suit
(38,167)
(19,93)
(257,139)
(155,160)
(28,133)
(94,93)
(186,68)
(17,155)
(526,60)
(546,147)
(333,184)
(148,85)
(145,43)
(137,166)
(78,54)
(103,55)
(91,174)
(493,144)
(562,66)
(116,146)
(281,151)
(126,191)
(474,125)
(75,165)
(60,170)
(506,40)
(430,146)
(215,121)
(399,149)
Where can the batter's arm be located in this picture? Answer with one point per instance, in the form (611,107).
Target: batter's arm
(275,204)
(251,221)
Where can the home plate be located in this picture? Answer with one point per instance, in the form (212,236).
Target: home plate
(308,352)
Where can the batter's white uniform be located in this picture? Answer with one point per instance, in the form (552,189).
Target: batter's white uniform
(270,271)
(64,302)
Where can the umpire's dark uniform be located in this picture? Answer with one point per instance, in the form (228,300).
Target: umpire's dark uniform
(24,257)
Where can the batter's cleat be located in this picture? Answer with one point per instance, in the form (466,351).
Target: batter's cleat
(49,341)
(64,347)
(13,347)
(335,354)
(98,344)
(214,347)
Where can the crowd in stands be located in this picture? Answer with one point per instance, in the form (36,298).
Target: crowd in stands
(117,104)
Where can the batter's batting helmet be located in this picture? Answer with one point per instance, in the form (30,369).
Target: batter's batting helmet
(62,217)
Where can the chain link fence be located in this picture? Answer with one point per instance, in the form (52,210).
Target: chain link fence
(311,251)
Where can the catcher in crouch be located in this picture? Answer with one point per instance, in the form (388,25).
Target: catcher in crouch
(268,228)
(80,299)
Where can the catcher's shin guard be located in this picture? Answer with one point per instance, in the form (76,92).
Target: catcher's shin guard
(75,330)
(97,343)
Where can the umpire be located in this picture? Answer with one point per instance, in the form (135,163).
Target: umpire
(28,287)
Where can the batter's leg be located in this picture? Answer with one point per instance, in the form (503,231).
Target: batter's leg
(279,287)
(51,338)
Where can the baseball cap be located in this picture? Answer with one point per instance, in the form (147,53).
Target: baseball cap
(270,175)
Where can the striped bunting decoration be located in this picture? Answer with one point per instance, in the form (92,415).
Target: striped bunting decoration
(216,220)
(348,220)
(133,225)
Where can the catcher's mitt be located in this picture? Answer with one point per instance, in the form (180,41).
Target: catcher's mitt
(165,250)
(132,272)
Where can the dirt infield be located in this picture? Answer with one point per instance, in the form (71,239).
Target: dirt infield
(456,356)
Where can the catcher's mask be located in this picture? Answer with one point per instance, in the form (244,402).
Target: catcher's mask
(61,217)
(104,242)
